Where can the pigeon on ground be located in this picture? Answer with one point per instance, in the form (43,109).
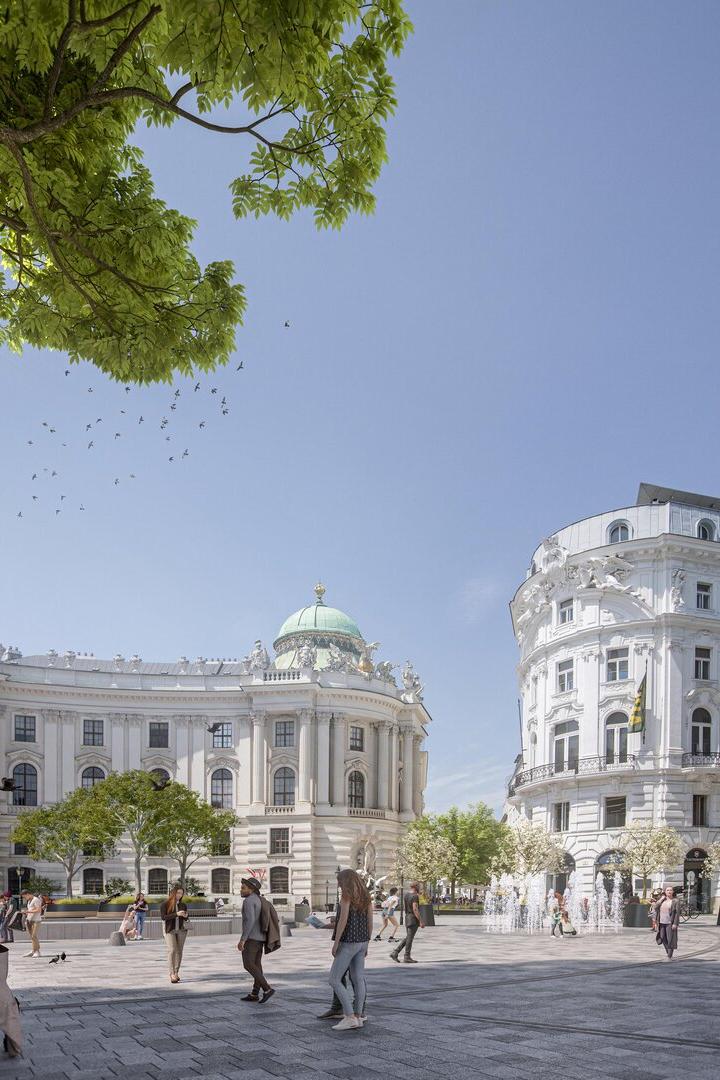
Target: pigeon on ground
(55,959)
(63,957)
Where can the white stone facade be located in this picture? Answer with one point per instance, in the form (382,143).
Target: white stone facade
(605,600)
(323,767)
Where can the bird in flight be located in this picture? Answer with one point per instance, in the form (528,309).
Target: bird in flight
(186,453)
(81,506)
(223,402)
(212,728)
(132,475)
(61,498)
(90,445)
(34,476)
(173,407)
(202,424)
(177,394)
(53,473)
(44,423)
(240,366)
(197,387)
(67,372)
(35,498)
(20,514)
(90,389)
(117,435)
(214,390)
(225,412)
(88,426)
(122,412)
(127,389)
(171,459)
(99,420)
(287,323)
(52,430)
(56,513)
(30,442)
(163,423)
(168,438)
(141,420)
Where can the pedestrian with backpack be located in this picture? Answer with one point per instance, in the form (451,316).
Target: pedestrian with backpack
(260,933)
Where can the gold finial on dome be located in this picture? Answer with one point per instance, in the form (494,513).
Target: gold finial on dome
(320,592)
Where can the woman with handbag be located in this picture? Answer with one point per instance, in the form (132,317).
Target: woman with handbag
(174,915)
(667,920)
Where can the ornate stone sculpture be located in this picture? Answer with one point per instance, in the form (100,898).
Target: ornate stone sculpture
(339,660)
(676,593)
(365,663)
(411,682)
(553,558)
(608,572)
(306,656)
(258,659)
(384,671)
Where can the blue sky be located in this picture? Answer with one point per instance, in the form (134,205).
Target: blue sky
(525,329)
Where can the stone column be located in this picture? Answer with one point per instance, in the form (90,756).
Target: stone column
(183,750)
(52,770)
(69,780)
(302,723)
(383,764)
(196,748)
(408,755)
(259,761)
(394,768)
(339,796)
(323,760)
(116,742)
(670,743)
(134,741)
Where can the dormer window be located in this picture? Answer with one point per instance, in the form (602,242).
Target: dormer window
(706,530)
(618,532)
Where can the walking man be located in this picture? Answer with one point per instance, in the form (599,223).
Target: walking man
(411,905)
(253,939)
(33,918)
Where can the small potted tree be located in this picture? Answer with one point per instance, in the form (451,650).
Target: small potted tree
(646,849)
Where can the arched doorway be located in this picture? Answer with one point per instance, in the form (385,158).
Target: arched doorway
(695,881)
(607,864)
(558,882)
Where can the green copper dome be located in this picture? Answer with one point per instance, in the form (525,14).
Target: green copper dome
(318,618)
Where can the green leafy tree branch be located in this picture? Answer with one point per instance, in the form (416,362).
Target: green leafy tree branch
(93,263)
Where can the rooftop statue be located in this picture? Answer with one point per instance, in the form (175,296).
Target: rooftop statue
(258,658)
(413,687)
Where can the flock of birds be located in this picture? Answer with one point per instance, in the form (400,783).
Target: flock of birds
(110,429)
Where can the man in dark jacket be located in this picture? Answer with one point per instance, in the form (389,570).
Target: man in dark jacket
(253,939)
(413,923)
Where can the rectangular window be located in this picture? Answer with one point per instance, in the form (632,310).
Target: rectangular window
(561,817)
(617,665)
(700,810)
(92,733)
(357,738)
(702,663)
(565,679)
(566,612)
(159,732)
(284,732)
(221,846)
(24,728)
(279,841)
(615,812)
(222,738)
(703,595)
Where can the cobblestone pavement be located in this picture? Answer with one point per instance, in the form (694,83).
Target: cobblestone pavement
(476,1005)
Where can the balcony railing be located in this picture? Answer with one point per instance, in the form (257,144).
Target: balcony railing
(583,766)
(279,809)
(695,760)
(289,675)
(365,811)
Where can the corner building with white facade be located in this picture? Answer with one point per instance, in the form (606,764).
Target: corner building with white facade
(319,752)
(605,600)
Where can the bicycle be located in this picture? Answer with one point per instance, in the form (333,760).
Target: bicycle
(687,912)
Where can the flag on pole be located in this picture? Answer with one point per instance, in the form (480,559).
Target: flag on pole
(637,716)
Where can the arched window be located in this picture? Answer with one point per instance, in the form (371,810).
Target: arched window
(157,881)
(701,732)
(26,786)
(221,789)
(92,881)
(616,739)
(565,746)
(607,864)
(279,879)
(284,787)
(618,532)
(220,880)
(356,789)
(705,530)
(91,776)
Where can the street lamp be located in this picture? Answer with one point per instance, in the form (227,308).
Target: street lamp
(20,871)
(327,893)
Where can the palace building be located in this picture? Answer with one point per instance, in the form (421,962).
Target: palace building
(319,752)
(606,601)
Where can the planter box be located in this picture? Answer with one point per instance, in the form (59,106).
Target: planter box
(426,914)
(637,915)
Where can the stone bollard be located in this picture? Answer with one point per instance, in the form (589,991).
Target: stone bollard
(117,938)
(285,930)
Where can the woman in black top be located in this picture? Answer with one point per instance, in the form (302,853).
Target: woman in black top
(141,909)
(353,930)
(174,915)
